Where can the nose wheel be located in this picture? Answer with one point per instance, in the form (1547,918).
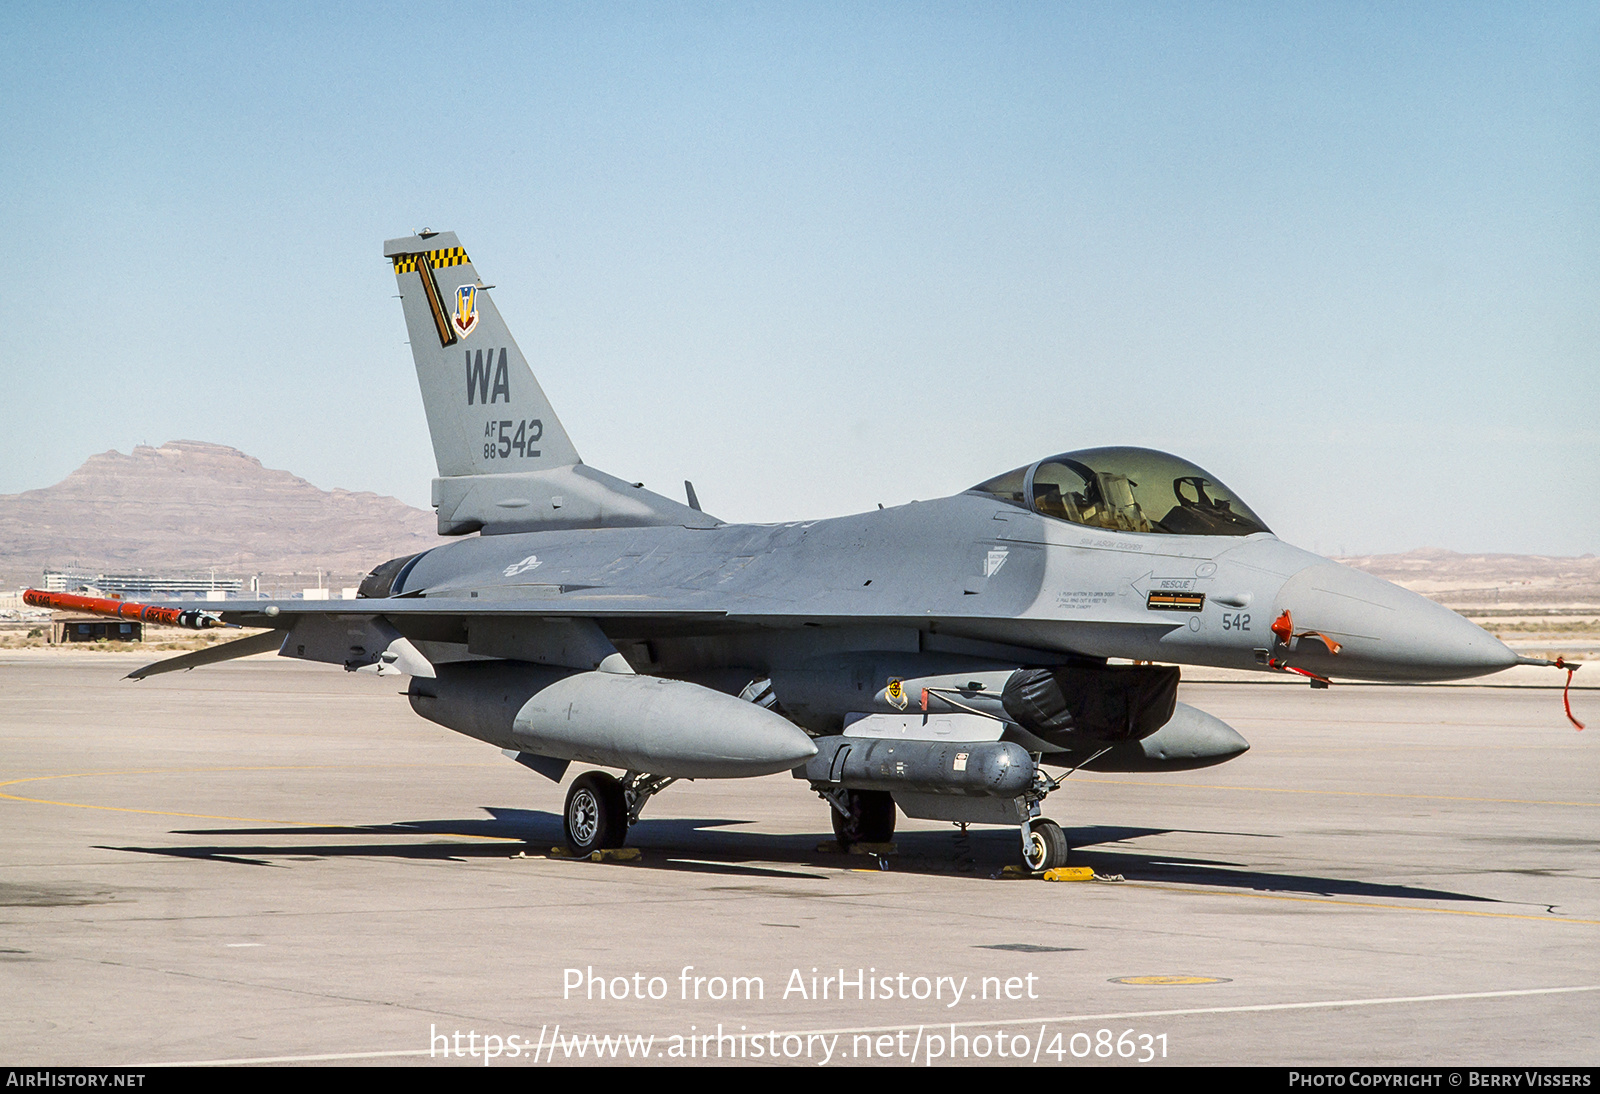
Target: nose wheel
(1044,846)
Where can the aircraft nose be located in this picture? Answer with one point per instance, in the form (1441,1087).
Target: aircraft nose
(1385,632)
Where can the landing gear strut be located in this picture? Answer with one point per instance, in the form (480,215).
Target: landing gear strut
(639,788)
(1044,844)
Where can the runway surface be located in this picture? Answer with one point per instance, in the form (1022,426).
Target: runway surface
(271,861)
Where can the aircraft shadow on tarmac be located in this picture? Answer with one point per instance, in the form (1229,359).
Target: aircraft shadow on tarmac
(708,846)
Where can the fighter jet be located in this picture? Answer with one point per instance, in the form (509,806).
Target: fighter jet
(940,658)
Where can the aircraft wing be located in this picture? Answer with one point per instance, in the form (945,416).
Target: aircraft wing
(580,628)
(690,608)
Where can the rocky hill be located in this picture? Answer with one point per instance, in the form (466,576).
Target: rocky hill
(189,505)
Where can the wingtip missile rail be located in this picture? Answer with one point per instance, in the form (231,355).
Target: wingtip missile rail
(124,609)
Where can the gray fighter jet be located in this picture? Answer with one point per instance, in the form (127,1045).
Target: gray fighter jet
(941,657)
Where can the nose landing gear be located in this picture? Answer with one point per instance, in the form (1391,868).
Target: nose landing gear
(1044,845)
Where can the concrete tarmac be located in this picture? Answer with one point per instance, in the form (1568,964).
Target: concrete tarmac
(270,861)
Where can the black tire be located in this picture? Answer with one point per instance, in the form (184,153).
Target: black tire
(596,816)
(871,818)
(1046,848)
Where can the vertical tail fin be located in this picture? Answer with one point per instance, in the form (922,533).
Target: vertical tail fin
(505,462)
(486,412)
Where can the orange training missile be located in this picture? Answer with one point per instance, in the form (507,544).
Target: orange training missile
(122,609)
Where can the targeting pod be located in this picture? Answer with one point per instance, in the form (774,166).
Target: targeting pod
(979,782)
(982,769)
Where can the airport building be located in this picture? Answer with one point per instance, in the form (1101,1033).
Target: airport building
(144,584)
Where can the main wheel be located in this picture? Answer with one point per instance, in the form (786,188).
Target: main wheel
(871,818)
(597,813)
(1046,846)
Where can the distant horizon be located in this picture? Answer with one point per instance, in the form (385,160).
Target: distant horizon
(429,510)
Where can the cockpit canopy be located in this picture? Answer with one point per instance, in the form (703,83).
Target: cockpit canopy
(1127,490)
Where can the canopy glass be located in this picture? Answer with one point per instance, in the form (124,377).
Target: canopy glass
(1127,490)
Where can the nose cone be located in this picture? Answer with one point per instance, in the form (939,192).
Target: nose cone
(1386,632)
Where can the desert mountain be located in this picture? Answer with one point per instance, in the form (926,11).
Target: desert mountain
(189,505)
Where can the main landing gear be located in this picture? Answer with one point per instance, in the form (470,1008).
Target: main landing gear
(600,808)
(861,816)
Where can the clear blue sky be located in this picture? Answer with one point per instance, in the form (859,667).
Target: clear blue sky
(816,257)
